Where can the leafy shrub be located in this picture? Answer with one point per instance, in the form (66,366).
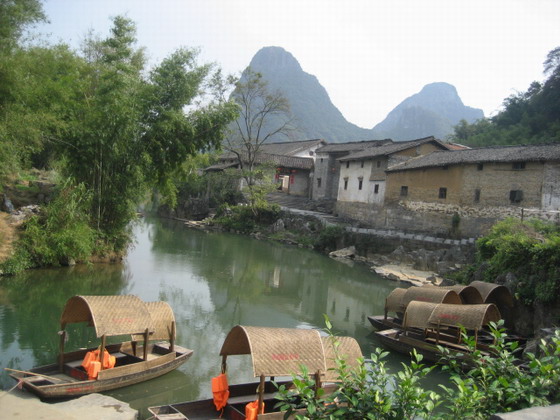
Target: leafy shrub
(328,238)
(530,250)
(496,383)
(61,232)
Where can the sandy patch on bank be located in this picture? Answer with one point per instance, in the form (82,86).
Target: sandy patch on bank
(8,233)
(404,273)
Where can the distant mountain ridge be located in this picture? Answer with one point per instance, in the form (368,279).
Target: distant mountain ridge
(433,111)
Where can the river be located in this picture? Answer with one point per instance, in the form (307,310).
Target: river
(213,281)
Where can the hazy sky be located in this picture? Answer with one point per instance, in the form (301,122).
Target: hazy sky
(368,54)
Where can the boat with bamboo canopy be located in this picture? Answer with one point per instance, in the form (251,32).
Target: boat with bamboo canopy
(275,352)
(398,300)
(150,352)
(428,325)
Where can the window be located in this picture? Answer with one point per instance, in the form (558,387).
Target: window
(477,196)
(347,164)
(360,183)
(321,160)
(480,167)
(518,166)
(443,193)
(345,183)
(404,191)
(445,167)
(376,189)
(361,164)
(515,196)
(379,164)
(318,182)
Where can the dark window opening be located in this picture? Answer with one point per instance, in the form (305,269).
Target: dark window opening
(318,182)
(446,167)
(516,196)
(376,189)
(477,196)
(360,183)
(345,183)
(348,164)
(443,192)
(362,164)
(479,167)
(379,164)
(404,191)
(517,166)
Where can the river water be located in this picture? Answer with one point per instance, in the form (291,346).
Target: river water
(213,281)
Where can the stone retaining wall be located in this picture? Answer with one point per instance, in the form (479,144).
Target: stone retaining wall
(439,219)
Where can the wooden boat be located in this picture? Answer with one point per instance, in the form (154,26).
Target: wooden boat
(275,352)
(398,300)
(142,358)
(427,325)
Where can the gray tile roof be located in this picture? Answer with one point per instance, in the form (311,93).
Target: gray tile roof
(352,146)
(522,153)
(388,149)
(293,162)
(290,147)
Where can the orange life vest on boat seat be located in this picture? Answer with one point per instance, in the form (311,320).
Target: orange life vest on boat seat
(251,410)
(92,365)
(220,390)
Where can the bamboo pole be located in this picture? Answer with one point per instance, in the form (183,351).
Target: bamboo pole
(102,350)
(61,350)
(172,337)
(261,395)
(146,334)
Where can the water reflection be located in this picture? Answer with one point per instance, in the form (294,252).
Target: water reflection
(213,281)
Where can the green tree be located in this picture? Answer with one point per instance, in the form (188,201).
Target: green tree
(131,132)
(527,117)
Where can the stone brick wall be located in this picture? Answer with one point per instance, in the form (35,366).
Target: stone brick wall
(437,218)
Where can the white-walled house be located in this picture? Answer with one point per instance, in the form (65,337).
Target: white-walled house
(362,176)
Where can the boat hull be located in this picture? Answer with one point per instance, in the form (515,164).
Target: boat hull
(48,382)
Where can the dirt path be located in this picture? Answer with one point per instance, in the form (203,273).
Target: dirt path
(7,235)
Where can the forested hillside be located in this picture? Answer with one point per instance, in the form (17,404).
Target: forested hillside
(528,117)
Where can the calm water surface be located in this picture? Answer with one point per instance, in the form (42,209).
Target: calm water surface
(213,281)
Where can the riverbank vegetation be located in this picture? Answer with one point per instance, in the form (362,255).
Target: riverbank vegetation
(108,125)
(493,384)
(523,254)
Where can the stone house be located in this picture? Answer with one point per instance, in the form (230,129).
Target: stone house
(489,177)
(327,167)
(291,164)
(363,174)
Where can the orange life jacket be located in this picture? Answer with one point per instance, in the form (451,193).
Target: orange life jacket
(220,389)
(252,410)
(92,365)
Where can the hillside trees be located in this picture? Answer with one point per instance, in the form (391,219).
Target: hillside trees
(527,117)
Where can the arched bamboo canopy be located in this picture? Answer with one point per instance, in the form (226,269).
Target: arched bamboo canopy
(163,320)
(282,351)
(471,317)
(469,295)
(109,315)
(494,293)
(418,314)
(393,302)
(430,295)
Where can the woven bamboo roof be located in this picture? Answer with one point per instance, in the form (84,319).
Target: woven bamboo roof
(431,315)
(109,315)
(345,348)
(431,295)
(493,293)
(468,294)
(282,351)
(163,320)
(393,302)
(472,317)
(418,314)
